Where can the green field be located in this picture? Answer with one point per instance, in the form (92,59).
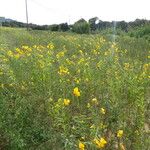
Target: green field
(65,91)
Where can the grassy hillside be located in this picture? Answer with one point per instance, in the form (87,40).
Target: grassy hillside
(64,91)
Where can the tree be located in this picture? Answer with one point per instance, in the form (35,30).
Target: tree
(54,27)
(81,27)
(92,23)
(63,27)
(123,25)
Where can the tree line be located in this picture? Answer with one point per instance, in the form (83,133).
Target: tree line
(81,26)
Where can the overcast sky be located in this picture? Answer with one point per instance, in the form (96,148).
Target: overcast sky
(59,11)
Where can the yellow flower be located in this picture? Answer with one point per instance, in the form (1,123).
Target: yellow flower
(88,105)
(77,80)
(120,133)
(103,111)
(81,146)
(102,126)
(100,142)
(10,53)
(86,80)
(63,70)
(66,102)
(146,66)
(122,147)
(76,92)
(17,56)
(50,46)
(106,53)
(94,101)
(60,54)
(126,66)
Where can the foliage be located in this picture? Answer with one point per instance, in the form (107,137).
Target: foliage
(63,27)
(68,91)
(81,27)
(92,23)
(54,27)
(141,32)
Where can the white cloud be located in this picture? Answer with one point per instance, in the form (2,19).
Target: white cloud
(58,11)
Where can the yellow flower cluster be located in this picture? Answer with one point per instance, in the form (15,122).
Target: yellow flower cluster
(81,146)
(50,46)
(100,143)
(60,54)
(76,92)
(63,70)
(94,101)
(66,102)
(126,66)
(120,133)
(103,111)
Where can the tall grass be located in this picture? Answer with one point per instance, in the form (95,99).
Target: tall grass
(68,91)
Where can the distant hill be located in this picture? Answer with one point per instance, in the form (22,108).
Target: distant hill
(3,19)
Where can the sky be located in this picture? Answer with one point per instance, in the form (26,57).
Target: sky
(60,11)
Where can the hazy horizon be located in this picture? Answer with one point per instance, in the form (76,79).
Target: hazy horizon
(54,12)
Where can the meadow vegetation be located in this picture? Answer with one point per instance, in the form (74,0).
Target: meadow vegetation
(64,91)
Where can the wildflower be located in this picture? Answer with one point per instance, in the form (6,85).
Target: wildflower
(34,46)
(120,133)
(126,66)
(86,80)
(81,146)
(122,147)
(102,126)
(77,80)
(50,46)
(80,61)
(94,52)
(100,142)
(145,66)
(81,52)
(88,105)
(66,102)
(106,53)
(5,59)
(60,54)
(76,92)
(17,56)
(103,111)
(94,101)
(63,70)
(10,53)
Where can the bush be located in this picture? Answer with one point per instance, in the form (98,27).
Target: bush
(81,27)
(63,27)
(54,27)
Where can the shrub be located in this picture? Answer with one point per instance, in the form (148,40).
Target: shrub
(81,27)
